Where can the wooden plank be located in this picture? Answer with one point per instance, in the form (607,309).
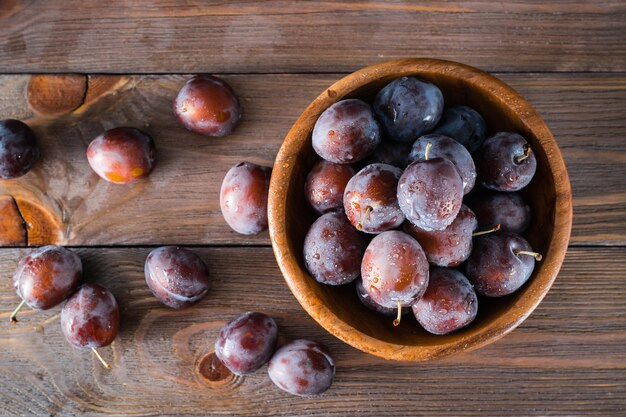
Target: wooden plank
(63,199)
(568,358)
(311,36)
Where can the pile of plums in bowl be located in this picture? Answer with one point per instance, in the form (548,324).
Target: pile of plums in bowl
(409,207)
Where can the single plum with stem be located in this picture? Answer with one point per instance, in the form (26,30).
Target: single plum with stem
(430,192)
(370,199)
(506,162)
(91,319)
(500,263)
(45,277)
(394,271)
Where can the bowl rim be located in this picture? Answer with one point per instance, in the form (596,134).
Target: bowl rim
(298,279)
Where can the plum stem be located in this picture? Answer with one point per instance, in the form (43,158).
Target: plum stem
(368,210)
(14,314)
(484,232)
(519,158)
(535,255)
(396,322)
(427,151)
(102,361)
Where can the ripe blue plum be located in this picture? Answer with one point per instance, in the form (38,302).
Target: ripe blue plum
(346,132)
(463,124)
(408,107)
(18,149)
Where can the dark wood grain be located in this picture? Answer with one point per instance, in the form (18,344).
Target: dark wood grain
(179,202)
(568,358)
(311,36)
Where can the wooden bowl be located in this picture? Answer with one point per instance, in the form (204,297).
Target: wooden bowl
(337,309)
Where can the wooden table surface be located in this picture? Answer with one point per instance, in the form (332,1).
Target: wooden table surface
(568,58)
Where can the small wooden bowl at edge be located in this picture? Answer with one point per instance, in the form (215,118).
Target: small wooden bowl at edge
(337,309)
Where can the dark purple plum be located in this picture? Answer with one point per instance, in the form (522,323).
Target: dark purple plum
(207,105)
(449,303)
(370,200)
(450,246)
(505,162)
(394,270)
(325,185)
(509,210)
(122,155)
(247,342)
(500,263)
(346,132)
(302,368)
(463,124)
(243,197)
(46,276)
(447,148)
(430,193)
(391,153)
(333,250)
(408,107)
(18,149)
(368,302)
(176,276)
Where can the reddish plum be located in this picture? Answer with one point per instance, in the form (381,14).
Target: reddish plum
(346,132)
(325,185)
(176,276)
(370,199)
(207,105)
(302,368)
(394,270)
(243,197)
(91,318)
(450,246)
(18,149)
(46,276)
(247,342)
(122,155)
(449,303)
(333,250)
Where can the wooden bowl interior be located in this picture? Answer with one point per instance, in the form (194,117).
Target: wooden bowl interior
(338,308)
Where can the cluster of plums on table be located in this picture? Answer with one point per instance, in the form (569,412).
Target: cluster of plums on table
(418,205)
(299,367)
